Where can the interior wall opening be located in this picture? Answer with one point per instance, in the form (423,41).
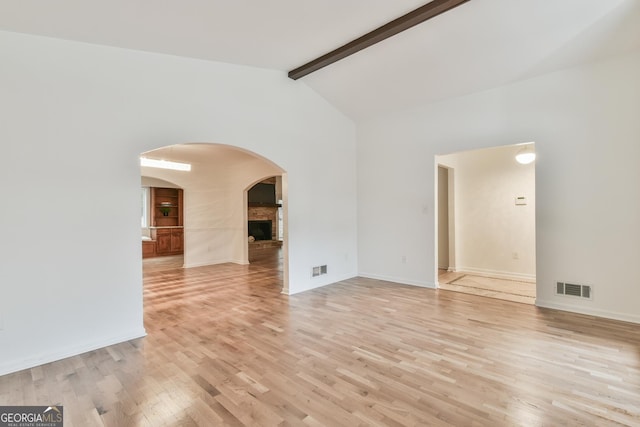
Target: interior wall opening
(265,220)
(199,217)
(485,222)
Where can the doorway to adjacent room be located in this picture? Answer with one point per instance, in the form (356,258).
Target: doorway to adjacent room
(485,223)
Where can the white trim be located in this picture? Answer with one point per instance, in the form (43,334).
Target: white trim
(146,207)
(399,280)
(509,275)
(73,350)
(625,317)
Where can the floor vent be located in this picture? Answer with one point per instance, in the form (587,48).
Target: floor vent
(571,289)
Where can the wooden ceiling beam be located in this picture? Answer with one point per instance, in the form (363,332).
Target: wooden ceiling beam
(411,19)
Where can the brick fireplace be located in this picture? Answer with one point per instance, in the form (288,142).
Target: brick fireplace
(258,215)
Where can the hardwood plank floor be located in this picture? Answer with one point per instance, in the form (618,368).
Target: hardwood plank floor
(225,347)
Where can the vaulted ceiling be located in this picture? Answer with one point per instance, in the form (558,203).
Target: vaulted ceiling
(478,45)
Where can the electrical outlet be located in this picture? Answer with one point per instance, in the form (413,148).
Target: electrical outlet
(516,255)
(404,259)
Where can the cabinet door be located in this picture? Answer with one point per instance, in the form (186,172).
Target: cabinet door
(148,249)
(177,239)
(163,242)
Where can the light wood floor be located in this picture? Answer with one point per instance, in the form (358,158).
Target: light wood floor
(224,347)
(523,291)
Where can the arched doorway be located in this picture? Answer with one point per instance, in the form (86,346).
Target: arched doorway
(215,199)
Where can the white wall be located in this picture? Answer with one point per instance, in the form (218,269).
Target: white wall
(585,124)
(493,234)
(147,181)
(75,118)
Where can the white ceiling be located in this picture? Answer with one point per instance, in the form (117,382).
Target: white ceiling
(202,155)
(479,45)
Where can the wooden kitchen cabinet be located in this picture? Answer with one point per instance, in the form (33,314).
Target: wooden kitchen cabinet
(166,219)
(169,240)
(166,207)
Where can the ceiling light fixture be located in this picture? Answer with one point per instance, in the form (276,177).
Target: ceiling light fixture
(165,164)
(526,155)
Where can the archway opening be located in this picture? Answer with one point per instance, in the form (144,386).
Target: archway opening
(212,213)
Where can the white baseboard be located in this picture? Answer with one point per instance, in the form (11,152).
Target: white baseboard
(625,317)
(509,275)
(399,280)
(40,359)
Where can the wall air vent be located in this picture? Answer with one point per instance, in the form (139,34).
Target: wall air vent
(574,290)
(319,270)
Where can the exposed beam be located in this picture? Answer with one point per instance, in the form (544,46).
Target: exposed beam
(411,19)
